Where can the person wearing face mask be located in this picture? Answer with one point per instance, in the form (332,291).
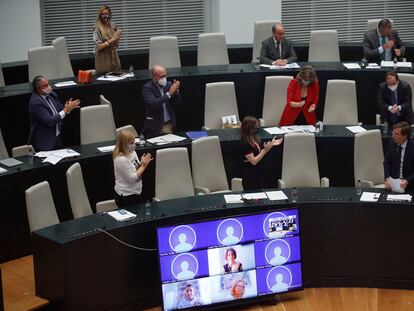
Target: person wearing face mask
(128,170)
(46,113)
(106,37)
(253,152)
(394,100)
(160,97)
(302,99)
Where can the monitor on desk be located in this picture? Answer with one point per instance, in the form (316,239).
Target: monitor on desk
(229,260)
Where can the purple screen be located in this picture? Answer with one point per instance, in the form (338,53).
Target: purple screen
(228,259)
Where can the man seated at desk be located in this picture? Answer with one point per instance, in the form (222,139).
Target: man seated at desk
(277,50)
(160,97)
(46,113)
(399,159)
(394,100)
(382,43)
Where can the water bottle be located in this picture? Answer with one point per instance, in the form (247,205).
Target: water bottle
(317,128)
(30,156)
(395,64)
(147,208)
(141,140)
(294,195)
(358,188)
(385,127)
(131,70)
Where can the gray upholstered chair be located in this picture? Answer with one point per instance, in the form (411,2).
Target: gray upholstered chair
(300,162)
(78,197)
(212,49)
(43,61)
(323,46)
(118,130)
(22,150)
(209,174)
(369,159)
(409,78)
(96,124)
(163,51)
(373,23)
(262,31)
(62,55)
(3,150)
(41,209)
(220,101)
(2,83)
(341,106)
(274,100)
(173,174)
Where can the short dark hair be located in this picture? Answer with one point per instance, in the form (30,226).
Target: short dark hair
(385,23)
(36,82)
(393,74)
(405,128)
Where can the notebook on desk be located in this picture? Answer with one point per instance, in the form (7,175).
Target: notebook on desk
(10,162)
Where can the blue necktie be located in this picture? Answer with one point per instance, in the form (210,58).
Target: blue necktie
(394,116)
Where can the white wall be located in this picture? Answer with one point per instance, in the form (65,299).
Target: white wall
(20,28)
(236,17)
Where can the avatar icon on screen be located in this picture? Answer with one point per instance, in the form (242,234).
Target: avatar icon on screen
(279,285)
(230,238)
(278,259)
(183,246)
(232,264)
(237,289)
(188,298)
(185,273)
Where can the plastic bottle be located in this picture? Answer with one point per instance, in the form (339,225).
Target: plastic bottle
(294,195)
(30,156)
(147,208)
(358,188)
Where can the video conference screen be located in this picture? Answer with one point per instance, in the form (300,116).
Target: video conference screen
(223,260)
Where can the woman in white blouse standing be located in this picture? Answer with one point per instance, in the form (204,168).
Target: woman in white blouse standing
(128,170)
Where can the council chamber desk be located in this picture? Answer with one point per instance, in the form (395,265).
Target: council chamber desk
(344,242)
(129,108)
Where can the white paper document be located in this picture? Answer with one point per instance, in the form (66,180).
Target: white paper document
(373,66)
(352,65)
(276,195)
(233,198)
(166,139)
(254,196)
(65,83)
(274,130)
(122,215)
(2,170)
(399,197)
(386,63)
(54,156)
(107,148)
(298,129)
(109,77)
(395,185)
(287,66)
(370,196)
(356,129)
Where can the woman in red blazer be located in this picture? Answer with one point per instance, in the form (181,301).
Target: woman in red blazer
(302,99)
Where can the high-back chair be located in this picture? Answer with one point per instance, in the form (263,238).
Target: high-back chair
(96,124)
(262,31)
(3,150)
(164,51)
(212,49)
(62,55)
(323,46)
(42,61)
(78,197)
(341,106)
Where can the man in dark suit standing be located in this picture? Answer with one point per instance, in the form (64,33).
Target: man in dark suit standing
(160,97)
(46,113)
(399,159)
(383,43)
(277,50)
(394,100)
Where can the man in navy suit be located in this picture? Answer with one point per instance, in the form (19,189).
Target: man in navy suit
(160,97)
(46,113)
(399,158)
(383,43)
(394,100)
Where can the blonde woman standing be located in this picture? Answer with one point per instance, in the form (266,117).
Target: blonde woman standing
(128,170)
(106,37)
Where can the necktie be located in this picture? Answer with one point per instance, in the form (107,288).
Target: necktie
(382,39)
(394,116)
(54,112)
(397,163)
(279,54)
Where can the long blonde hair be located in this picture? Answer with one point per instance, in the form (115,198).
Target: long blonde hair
(106,31)
(122,142)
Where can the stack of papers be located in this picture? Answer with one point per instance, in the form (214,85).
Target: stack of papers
(9,162)
(113,78)
(370,196)
(274,130)
(399,197)
(356,129)
(55,156)
(399,64)
(352,65)
(298,129)
(373,66)
(122,215)
(166,139)
(233,198)
(287,66)
(276,195)
(254,196)
(65,83)
(107,148)
(271,195)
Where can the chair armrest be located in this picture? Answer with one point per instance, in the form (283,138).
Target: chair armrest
(281,184)
(155,199)
(105,206)
(205,128)
(367,184)
(377,119)
(236,184)
(201,190)
(325,182)
(22,150)
(262,122)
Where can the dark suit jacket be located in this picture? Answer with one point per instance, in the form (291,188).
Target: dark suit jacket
(268,53)
(42,121)
(408,163)
(372,43)
(154,112)
(403,99)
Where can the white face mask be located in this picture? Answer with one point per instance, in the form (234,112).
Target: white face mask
(47,90)
(305,82)
(393,88)
(132,147)
(162,82)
